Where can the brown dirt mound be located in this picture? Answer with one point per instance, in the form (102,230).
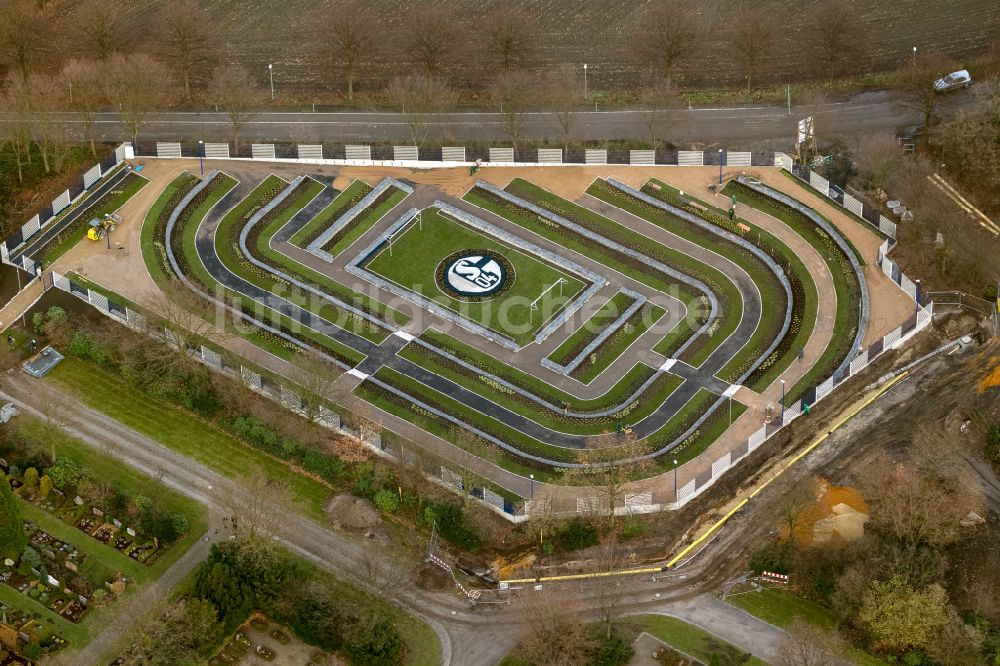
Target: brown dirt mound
(992,380)
(838,517)
(433,578)
(352,514)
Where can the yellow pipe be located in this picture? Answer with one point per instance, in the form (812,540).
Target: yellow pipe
(722,521)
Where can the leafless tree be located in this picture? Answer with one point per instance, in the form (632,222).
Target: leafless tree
(47,97)
(382,574)
(318,378)
(562,95)
(102,28)
(25,35)
(660,109)
(186,40)
(255,506)
(918,92)
(612,470)
(350,37)
(806,644)
(85,83)
(513,93)
(510,37)
(752,36)
(555,633)
(664,35)
(16,131)
(417,97)
(137,85)
(837,36)
(237,93)
(878,157)
(433,37)
(606,589)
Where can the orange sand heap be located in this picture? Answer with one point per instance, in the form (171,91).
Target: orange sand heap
(837,518)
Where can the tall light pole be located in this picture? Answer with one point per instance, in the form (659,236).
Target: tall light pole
(201,155)
(584,81)
(675,480)
(270,74)
(782,402)
(916,298)
(532,477)
(914,64)
(720,166)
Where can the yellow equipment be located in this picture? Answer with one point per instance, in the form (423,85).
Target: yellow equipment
(99,227)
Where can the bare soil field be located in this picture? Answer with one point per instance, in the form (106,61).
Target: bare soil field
(597,32)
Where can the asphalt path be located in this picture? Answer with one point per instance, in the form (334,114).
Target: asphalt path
(747,127)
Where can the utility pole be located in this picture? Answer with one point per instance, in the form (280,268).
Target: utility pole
(270,74)
(585,81)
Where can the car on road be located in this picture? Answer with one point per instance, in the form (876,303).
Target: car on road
(959,79)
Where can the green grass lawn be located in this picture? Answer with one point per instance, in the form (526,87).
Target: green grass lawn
(591,328)
(417,252)
(687,638)
(61,244)
(184,433)
(357,227)
(76,634)
(618,342)
(781,607)
(340,205)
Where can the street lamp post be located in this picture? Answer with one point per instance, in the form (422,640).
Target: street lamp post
(584,81)
(782,401)
(916,298)
(675,480)
(720,166)
(914,74)
(201,156)
(270,74)
(532,477)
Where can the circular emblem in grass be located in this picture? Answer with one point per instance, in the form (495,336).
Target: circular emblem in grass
(474,275)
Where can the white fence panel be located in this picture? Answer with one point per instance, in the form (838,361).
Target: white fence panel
(722,464)
(853,205)
(595,156)
(550,155)
(690,158)
(887,226)
(537,507)
(819,182)
(451,478)
(859,362)
(686,490)
(120,153)
(501,154)
(824,389)
(756,439)
(358,152)
(588,504)
(92,176)
(493,498)
(60,281)
(135,319)
(738,158)
(642,157)
(453,154)
(908,286)
(887,266)
(638,499)
(262,151)
(783,161)
(309,151)
(4,252)
(329,417)
(30,228)
(168,149)
(217,151)
(99,301)
(892,338)
(211,357)
(405,153)
(60,202)
(250,378)
(925,315)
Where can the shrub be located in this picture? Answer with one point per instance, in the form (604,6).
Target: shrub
(386,501)
(577,534)
(30,479)
(633,528)
(775,556)
(374,643)
(30,559)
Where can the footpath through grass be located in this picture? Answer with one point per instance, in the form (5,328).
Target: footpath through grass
(184,433)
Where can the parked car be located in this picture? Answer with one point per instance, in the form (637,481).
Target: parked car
(959,79)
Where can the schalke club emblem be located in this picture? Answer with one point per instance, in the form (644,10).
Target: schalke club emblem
(475,275)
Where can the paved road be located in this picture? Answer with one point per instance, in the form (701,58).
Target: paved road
(757,127)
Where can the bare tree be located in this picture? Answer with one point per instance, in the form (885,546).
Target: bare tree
(318,378)
(660,108)
(837,37)
(433,37)
(137,85)
(417,97)
(611,471)
(25,33)
(752,36)
(102,28)
(186,40)
(237,93)
(918,93)
(513,92)
(664,35)
(878,157)
(255,506)
(555,633)
(562,94)
(606,588)
(85,83)
(510,37)
(16,131)
(47,97)
(806,644)
(350,37)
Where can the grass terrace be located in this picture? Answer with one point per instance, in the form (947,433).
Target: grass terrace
(364,221)
(343,202)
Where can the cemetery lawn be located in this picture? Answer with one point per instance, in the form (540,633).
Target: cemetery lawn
(184,433)
(76,635)
(688,638)
(131,483)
